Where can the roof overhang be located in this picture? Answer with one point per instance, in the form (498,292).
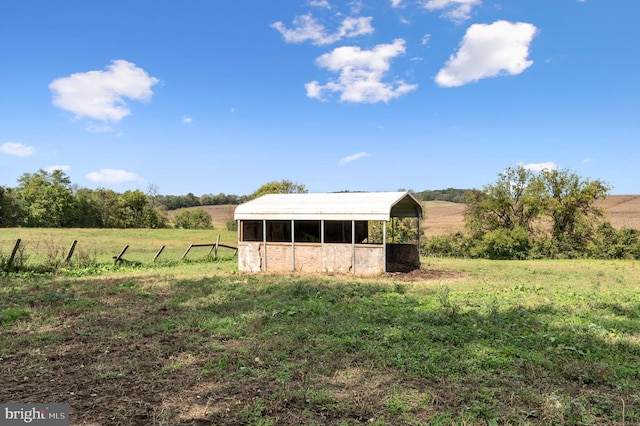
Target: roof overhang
(331,206)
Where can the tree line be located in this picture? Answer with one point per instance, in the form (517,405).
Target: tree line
(523,215)
(49,200)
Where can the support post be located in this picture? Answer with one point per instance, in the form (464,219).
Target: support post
(13,253)
(419,236)
(158,253)
(186,252)
(118,258)
(384,243)
(293,245)
(264,245)
(353,246)
(323,266)
(71,250)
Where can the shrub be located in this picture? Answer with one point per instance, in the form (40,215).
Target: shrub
(503,244)
(193,219)
(231,225)
(611,243)
(452,245)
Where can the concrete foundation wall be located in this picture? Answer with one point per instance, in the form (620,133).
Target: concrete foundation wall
(312,258)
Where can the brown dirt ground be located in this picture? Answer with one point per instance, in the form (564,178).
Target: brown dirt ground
(445,218)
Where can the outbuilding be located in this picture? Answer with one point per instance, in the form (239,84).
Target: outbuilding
(346,232)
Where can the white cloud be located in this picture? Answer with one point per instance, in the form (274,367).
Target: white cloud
(395,3)
(100,95)
(320,3)
(307,28)
(94,128)
(354,157)
(17,149)
(63,168)
(538,167)
(455,10)
(187,120)
(488,50)
(113,176)
(361,73)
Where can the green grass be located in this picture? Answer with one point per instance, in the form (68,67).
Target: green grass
(44,246)
(518,343)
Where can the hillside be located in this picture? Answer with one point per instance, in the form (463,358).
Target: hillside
(443,217)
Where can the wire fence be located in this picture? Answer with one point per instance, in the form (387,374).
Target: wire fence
(49,253)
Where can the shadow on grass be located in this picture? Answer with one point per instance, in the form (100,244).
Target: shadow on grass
(241,349)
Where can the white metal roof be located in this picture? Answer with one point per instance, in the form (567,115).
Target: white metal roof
(330,206)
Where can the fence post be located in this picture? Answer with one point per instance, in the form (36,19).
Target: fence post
(185,253)
(13,253)
(71,250)
(118,258)
(215,252)
(214,248)
(158,253)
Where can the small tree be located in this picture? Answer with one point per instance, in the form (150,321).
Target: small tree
(513,201)
(193,219)
(569,203)
(47,199)
(282,187)
(10,211)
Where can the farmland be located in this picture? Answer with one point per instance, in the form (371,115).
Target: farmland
(474,342)
(444,217)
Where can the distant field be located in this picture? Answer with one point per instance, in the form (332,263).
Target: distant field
(443,217)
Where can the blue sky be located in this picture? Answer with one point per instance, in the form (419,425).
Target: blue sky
(223,96)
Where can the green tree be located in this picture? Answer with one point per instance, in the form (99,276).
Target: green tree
(282,187)
(513,201)
(570,205)
(555,210)
(47,199)
(107,204)
(10,211)
(88,214)
(135,211)
(193,219)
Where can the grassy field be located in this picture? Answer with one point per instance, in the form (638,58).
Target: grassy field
(47,246)
(466,342)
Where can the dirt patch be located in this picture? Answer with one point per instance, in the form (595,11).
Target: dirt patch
(424,275)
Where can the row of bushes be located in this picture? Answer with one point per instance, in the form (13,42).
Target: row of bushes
(606,243)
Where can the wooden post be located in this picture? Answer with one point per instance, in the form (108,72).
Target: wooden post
(13,253)
(213,247)
(119,257)
(71,250)
(185,253)
(215,251)
(158,253)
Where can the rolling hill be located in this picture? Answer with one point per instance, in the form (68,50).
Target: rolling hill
(442,217)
